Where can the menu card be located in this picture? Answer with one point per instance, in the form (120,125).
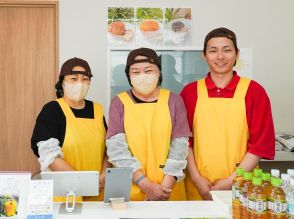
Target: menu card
(40,199)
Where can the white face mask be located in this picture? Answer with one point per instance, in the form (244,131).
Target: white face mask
(75,91)
(145,83)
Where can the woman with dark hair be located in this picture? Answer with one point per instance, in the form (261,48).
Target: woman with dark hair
(149,131)
(70,132)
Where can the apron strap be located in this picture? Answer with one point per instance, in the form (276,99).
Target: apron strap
(242,88)
(98,111)
(65,108)
(125,98)
(202,89)
(163,96)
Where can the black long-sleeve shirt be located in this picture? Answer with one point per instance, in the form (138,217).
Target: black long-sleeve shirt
(51,122)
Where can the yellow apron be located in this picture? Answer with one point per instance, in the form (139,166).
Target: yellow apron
(148,129)
(84,142)
(220,134)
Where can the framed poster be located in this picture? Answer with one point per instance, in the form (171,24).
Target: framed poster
(178,27)
(149,27)
(121,27)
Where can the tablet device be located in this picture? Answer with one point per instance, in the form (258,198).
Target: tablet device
(118,183)
(82,183)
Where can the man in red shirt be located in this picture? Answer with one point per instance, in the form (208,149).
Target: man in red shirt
(230,117)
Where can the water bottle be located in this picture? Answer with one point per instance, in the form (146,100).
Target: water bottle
(275,173)
(290,172)
(285,182)
(290,200)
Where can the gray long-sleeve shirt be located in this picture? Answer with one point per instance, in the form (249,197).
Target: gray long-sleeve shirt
(119,152)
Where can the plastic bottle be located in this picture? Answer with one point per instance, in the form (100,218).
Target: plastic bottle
(266,184)
(275,173)
(290,200)
(277,196)
(285,182)
(236,184)
(244,194)
(257,200)
(290,172)
(266,180)
(257,172)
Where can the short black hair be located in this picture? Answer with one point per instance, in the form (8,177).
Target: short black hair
(221,32)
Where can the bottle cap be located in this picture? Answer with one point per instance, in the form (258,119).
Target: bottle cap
(247,176)
(257,181)
(290,172)
(275,173)
(257,172)
(276,182)
(266,176)
(240,171)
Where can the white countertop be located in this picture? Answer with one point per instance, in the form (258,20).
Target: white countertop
(148,209)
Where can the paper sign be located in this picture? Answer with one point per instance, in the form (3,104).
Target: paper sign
(13,193)
(40,199)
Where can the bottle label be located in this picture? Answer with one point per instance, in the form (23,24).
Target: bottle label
(270,205)
(245,204)
(250,204)
(233,192)
(290,208)
(279,207)
(237,194)
(259,206)
(241,198)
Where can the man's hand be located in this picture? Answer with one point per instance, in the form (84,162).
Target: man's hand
(154,191)
(203,186)
(222,184)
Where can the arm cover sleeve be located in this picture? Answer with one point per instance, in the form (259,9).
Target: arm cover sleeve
(176,161)
(48,151)
(119,153)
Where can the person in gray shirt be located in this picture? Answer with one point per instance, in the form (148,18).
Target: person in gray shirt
(148,130)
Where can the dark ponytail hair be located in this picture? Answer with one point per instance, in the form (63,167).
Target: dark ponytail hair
(59,88)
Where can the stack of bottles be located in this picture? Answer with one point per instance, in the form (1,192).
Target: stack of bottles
(258,195)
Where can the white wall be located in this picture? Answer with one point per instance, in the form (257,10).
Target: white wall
(266,26)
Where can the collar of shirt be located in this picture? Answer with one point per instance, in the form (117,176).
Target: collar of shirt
(137,100)
(228,91)
(230,86)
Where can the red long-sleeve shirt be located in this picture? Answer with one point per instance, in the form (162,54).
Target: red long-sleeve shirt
(261,140)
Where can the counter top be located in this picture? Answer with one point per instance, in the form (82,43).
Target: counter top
(148,209)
